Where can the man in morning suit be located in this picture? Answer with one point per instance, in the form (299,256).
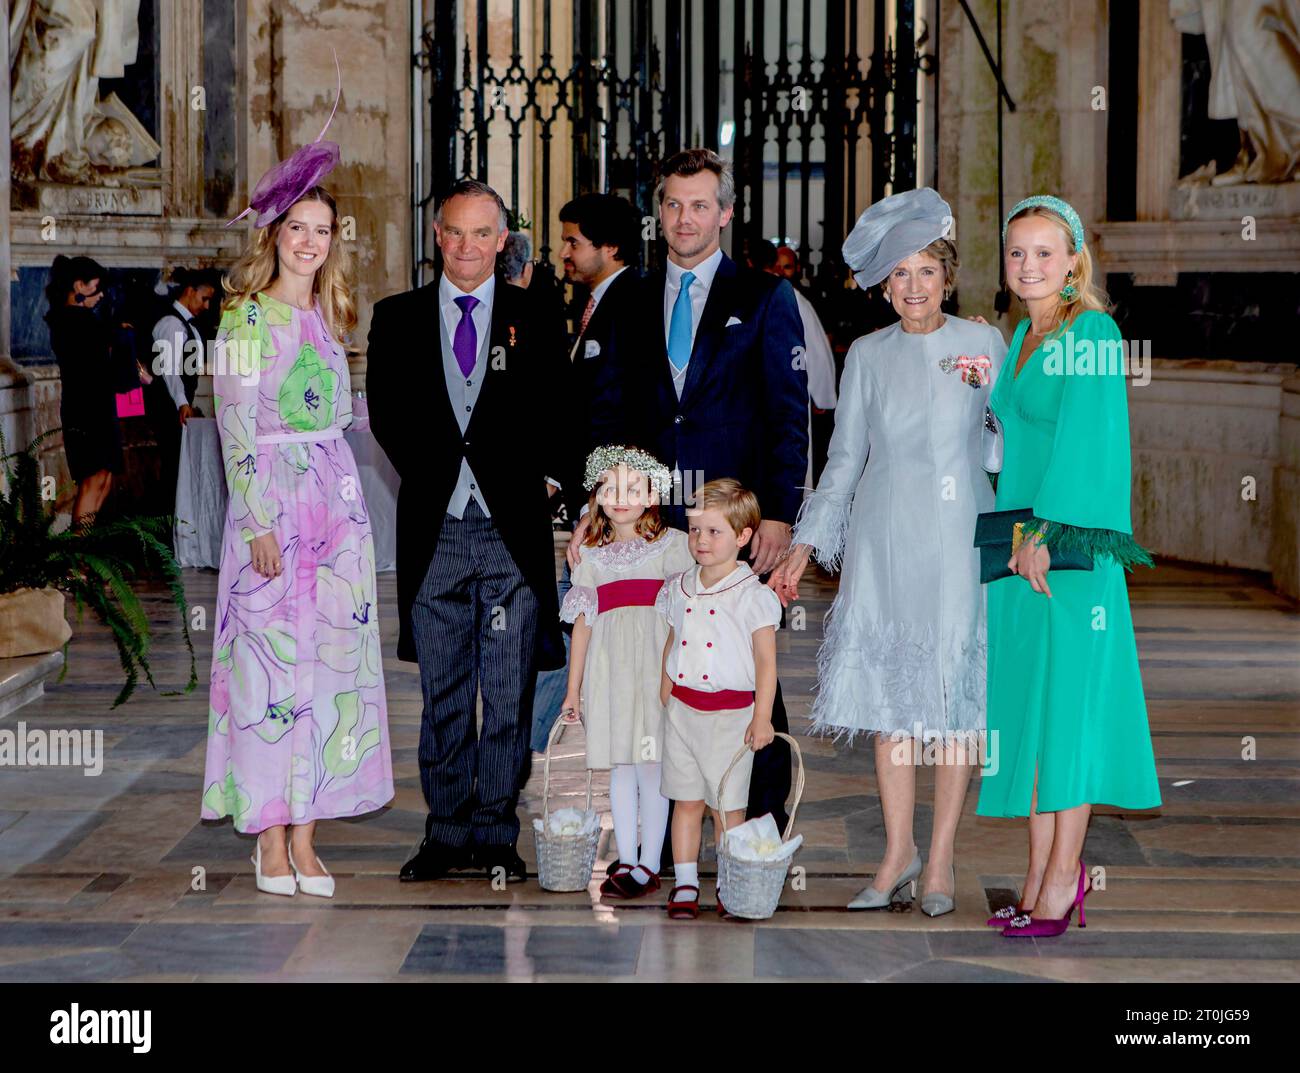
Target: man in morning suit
(463,384)
(709,377)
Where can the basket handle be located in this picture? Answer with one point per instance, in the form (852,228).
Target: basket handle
(557,728)
(798,784)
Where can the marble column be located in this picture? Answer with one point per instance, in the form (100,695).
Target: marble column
(1054,56)
(1159,102)
(180,128)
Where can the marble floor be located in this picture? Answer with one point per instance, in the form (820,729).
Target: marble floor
(113,877)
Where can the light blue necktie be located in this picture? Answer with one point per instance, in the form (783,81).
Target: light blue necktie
(679,327)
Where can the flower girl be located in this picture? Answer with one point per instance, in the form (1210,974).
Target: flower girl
(617,646)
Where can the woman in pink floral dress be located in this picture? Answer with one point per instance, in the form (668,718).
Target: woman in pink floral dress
(297,722)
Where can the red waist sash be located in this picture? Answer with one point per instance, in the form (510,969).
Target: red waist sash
(631,592)
(720,700)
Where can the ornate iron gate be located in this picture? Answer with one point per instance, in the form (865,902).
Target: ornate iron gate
(634,93)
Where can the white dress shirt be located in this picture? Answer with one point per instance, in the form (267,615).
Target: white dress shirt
(820,365)
(179,332)
(818,358)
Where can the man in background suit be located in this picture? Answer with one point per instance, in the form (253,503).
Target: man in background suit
(598,249)
(708,375)
(820,361)
(169,398)
(191,298)
(464,383)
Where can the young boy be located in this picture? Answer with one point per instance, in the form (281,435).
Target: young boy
(719,678)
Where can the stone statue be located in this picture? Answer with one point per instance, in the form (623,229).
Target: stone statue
(1254,48)
(61,131)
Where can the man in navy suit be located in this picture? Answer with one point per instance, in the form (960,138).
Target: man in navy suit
(710,378)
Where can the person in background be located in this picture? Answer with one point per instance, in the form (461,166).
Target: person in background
(92,375)
(191,297)
(176,353)
(819,360)
(788,265)
(598,242)
(516,263)
(544,292)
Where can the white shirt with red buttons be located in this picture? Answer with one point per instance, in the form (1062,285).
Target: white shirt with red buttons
(713,627)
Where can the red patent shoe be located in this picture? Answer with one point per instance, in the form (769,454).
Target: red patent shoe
(683,910)
(621,884)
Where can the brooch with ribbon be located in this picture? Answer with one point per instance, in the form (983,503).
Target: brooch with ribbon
(974,371)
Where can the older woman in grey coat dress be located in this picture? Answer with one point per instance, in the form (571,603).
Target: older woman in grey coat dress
(903,656)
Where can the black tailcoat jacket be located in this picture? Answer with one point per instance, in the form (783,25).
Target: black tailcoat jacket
(518,435)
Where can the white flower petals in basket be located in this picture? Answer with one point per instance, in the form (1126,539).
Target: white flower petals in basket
(566,839)
(569,821)
(754,858)
(760,840)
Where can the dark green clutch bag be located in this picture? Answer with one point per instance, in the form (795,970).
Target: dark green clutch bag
(995,534)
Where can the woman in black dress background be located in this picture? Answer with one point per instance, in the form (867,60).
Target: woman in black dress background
(82,344)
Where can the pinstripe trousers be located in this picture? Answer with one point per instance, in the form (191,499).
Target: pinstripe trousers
(475,628)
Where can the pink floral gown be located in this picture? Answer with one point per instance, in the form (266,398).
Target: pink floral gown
(297,723)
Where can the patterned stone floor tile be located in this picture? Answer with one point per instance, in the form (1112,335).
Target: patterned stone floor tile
(97,874)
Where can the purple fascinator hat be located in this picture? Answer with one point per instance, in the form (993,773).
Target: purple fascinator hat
(284,185)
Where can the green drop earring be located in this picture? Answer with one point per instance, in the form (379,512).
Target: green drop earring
(1069,292)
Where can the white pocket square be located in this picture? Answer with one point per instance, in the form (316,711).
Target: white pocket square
(591,349)
(733,320)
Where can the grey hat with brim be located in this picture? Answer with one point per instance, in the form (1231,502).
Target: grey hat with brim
(892,230)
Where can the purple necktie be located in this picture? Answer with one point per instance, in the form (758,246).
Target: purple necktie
(465,345)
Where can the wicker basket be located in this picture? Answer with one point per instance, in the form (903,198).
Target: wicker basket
(753,888)
(564,862)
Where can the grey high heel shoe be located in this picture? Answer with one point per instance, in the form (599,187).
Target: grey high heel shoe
(870,898)
(935,904)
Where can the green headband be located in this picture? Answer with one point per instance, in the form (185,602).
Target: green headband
(614,454)
(1062,209)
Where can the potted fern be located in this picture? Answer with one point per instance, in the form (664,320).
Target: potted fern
(92,563)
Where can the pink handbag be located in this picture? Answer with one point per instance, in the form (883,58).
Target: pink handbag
(131,403)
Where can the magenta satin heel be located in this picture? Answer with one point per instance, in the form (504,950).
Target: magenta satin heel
(1004,916)
(1025,927)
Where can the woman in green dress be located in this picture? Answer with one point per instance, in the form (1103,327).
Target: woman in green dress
(1067,719)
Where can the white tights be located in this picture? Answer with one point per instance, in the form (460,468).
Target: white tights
(627,782)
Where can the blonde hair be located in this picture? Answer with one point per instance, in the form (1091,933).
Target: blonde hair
(259,265)
(735,502)
(1088,294)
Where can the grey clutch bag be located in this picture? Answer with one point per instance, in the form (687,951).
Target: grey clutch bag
(991,443)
